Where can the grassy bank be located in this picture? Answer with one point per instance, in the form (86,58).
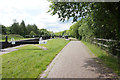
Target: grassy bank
(29,61)
(16,37)
(107,59)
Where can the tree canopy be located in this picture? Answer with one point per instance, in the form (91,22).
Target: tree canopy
(44,32)
(25,31)
(102,18)
(32,33)
(93,20)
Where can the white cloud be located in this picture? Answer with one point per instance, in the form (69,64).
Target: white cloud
(32,12)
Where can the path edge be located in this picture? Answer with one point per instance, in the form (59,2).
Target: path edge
(45,73)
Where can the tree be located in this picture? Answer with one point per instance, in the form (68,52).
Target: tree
(23,29)
(29,28)
(32,28)
(66,10)
(3,28)
(15,29)
(59,33)
(103,14)
(44,32)
(35,29)
(67,33)
(32,34)
(51,33)
(85,30)
(74,30)
(7,30)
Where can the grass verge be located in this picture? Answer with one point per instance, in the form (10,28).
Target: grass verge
(29,61)
(107,59)
(15,36)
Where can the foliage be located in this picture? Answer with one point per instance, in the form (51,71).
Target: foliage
(100,20)
(44,32)
(7,30)
(58,33)
(85,29)
(67,33)
(74,30)
(32,34)
(51,33)
(63,33)
(104,17)
(3,29)
(32,28)
(15,29)
(66,10)
(23,30)
(29,61)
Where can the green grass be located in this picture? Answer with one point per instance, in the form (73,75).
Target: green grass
(16,37)
(29,61)
(107,59)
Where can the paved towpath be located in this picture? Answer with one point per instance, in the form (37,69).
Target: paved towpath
(75,61)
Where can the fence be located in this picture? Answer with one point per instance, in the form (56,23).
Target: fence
(113,46)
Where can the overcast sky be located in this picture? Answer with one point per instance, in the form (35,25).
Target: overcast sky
(32,12)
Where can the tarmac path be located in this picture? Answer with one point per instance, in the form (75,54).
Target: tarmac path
(76,61)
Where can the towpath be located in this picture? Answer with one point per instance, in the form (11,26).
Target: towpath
(75,61)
